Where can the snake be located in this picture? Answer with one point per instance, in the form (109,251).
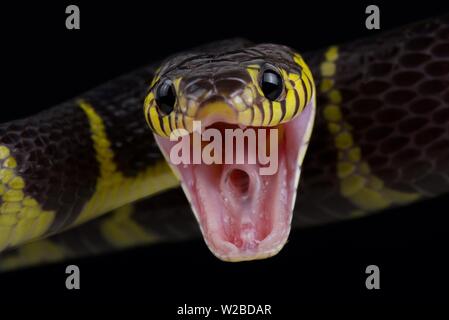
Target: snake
(365,124)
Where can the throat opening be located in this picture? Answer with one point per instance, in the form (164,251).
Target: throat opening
(238,181)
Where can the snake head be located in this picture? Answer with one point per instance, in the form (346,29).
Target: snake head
(234,127)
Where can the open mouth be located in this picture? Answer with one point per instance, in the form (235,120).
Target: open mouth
(244,213)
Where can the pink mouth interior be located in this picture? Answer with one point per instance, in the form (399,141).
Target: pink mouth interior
(244,215)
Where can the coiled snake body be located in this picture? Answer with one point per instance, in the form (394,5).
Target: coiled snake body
(380,139)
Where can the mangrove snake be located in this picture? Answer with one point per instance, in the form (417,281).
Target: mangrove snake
(380,139)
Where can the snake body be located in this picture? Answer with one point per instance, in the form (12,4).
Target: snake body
(381,138)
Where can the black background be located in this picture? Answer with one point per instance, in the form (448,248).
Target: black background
(43,64)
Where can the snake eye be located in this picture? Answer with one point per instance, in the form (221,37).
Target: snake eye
(165,97)
(271,84)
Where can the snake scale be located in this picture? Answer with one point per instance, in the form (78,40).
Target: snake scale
(380,139)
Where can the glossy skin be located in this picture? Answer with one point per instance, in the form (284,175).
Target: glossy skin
(395,97)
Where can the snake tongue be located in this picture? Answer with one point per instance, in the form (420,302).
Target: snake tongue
(243,214)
